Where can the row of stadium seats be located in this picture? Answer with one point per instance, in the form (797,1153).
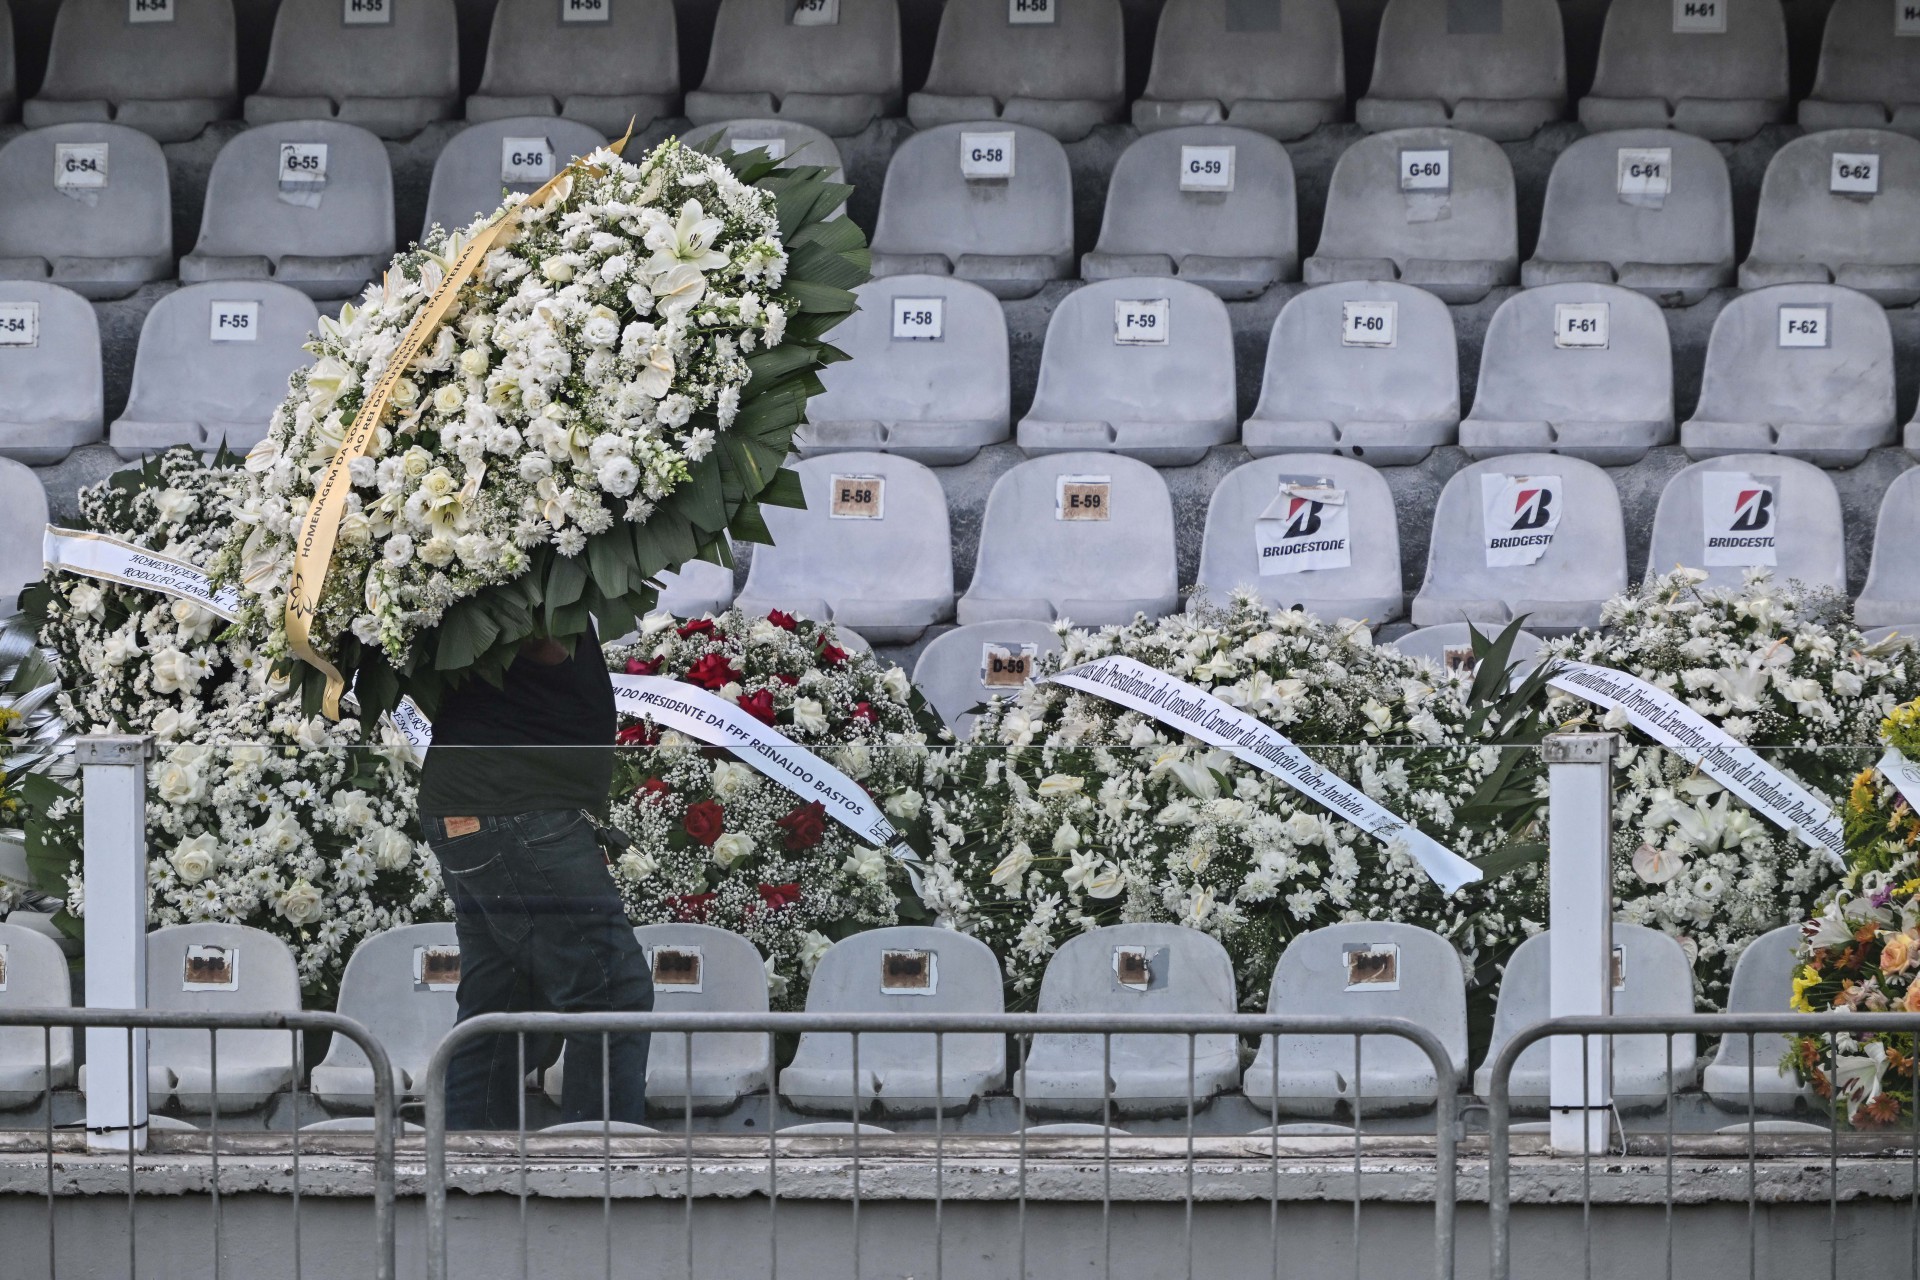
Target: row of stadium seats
(400,985)
(1715,68)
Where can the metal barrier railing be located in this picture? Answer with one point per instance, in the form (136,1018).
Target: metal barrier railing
(144,1020)
(1747,1026)
(1021,1028)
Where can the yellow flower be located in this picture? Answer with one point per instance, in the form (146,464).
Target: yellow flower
(1801,982)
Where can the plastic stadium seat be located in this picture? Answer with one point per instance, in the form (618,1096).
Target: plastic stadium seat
(1364,369)
(1762,983)
(697,589)
(164,67)
(1841,207)
(603,63)
(1800,369)
(926,378)
(36,978)
(787,141)
(832,64)
(1428,207)
(1580,369)
(219,968)
(1559,509)
(1008,234)
(1449,646)
(871,551)
(308,204)
(1085,536)
(1647,209)
(1492,67)
(474,166)
(969,667)
(1892,593)
(1717,68)
(1056,65)
(24,500)
(191,387)
(1653,980)
(1210,204)
(1141,367)
(1335,516)
(86,206)
(1133,968)
(1869,76)
(399,985)
(904,969)
(1361,970)
(51,397)
(1727,514)
(1258,64)
(9,87)
(390,66)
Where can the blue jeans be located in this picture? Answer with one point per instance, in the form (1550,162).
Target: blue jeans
(541,926)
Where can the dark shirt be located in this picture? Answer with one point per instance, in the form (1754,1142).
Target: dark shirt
(554,725)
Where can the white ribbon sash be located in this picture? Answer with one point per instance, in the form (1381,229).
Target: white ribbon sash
(1672,723)
(1193,711)
(1903,773)
(413,723)
(95,555)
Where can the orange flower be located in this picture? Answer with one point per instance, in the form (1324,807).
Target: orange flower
(1883,1110)
(1896,953)
(1913,998)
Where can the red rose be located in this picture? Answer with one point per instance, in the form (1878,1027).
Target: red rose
(759,706)
(636,735)
(776,896)
(784,621)
(831,655)
(786,679)
(705,821)
(863,711)
(652,791)
(697,627)
(804,826)
(635,667)
(713,671)
(690,908)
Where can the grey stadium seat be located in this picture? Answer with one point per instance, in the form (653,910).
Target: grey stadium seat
(787,141)
(836,68)
(36,977)
(24,500)
(1085,536)
(1582,562)
(1779,512)
(1722,75)
(1449,646)
(871,552)
(1869,77)
(1841,207)
(905,969)
(696,589)
(1272,67)
(1220,215)
(327,230)
(51,397)
(1800,369)
(393,70)
(1654,980)
(1364,369)
(1580,369)
(102,235)
(1010,235)
(928,377)
(1058,67)
(192,388)
(1133,968)
(1648,209)
(1447,224)
(1892,594)
(971,666)
(1140,367)
(219,968)
(603,63)
(1259,530)
(1492,67)
(1762,983)
(1361,969)
(167,69)
(400,985)
(470,174)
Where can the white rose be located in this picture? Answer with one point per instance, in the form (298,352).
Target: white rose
(194,860)
(809,716)
(906,806)
(868,864)
(416,462)
(172,671)
(405,394)
(557,270)
(87,599)
(449,398)
(473,363)
(812,947)
(896,683)
(637,866)
(731,847)
(300,904)
(731,780)
(438,552)
(395,850)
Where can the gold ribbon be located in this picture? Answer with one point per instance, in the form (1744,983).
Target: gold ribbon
(313,552)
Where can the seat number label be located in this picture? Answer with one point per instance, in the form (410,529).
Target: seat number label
(1083,498)
(524,160)
(1206,168)
(79,166)
(1580,324)
(678,968)
(1699,17)
(1806,325)
(208,968)
(1372,966)
(919,319)
(1140,322)
(366,13)
(986,156)
(1645,171)
(909,973)
(859,498)
(19,324)
(586,10)
(149,11)
(436,968)
(1031,13)
(776,148)
(1007,666)
(1369,324)
(1426,170)
(816,13)
(1906,17)
(1855,173)
(303,164)
(234,322)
